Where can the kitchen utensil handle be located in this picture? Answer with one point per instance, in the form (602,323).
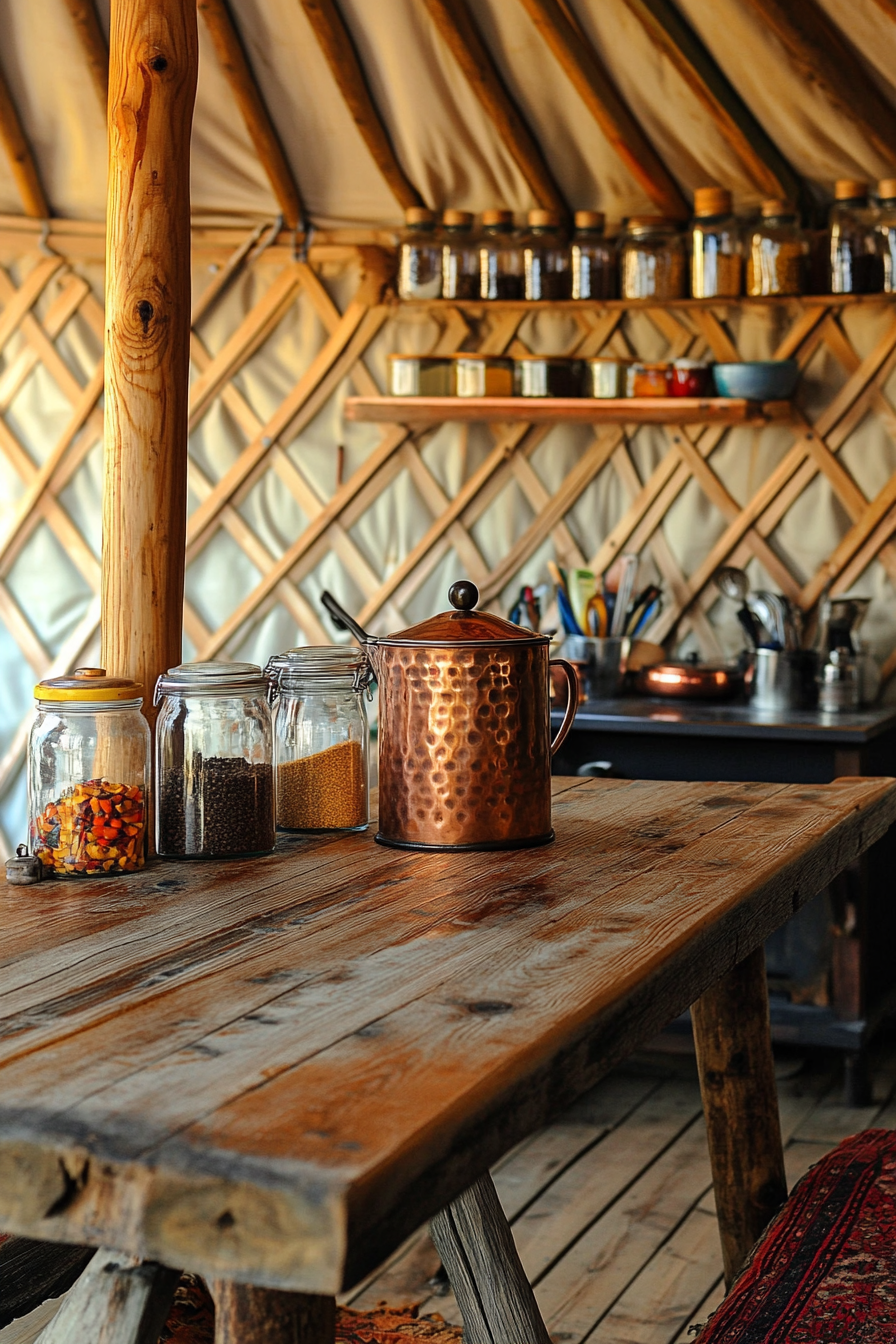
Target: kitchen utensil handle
(342,620)
(572,701)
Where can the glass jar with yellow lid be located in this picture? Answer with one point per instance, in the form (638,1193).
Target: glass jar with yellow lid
(88,775)
(715,246)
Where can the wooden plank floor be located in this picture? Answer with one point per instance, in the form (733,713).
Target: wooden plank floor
(612,1206)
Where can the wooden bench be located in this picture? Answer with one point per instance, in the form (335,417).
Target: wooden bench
(270,1073)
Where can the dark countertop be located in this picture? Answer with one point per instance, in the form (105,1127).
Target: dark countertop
(643,714)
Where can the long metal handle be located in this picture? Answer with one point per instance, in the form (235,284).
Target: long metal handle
(572,702)
(343,621)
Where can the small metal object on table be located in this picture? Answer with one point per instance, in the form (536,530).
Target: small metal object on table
(271,1072)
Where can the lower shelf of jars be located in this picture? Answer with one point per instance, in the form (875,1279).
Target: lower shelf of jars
(588,410)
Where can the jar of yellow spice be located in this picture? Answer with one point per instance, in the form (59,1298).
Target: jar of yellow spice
(321,738)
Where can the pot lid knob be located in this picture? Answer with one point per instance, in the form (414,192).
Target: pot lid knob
(463,595)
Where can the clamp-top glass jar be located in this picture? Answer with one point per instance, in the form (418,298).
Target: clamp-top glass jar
(321,738)
(214,762)
(88,772)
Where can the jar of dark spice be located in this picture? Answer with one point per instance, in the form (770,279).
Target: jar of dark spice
(321,738)
(500,257)
(88,775)
(653,263)
(214,762)
(593,261)
(715,246)
(545,257)
(856,265)
(460,256)
(777,253)
(419,256)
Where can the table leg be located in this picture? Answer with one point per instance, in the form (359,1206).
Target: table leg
(118,1299)
(740,1102)
(474,1239)
(247,1315)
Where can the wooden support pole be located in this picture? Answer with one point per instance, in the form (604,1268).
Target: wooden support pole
(21,158)
(337,45)
(152,89)
(244,86)
(591,80)
(476,1245)
(93,41)
(455,25)
(740,1103)
(118,1299)
(246,1315)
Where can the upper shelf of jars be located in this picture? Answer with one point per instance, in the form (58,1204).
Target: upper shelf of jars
(654,260)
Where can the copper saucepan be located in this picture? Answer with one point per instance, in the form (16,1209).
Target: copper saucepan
(690,681)
(464,728)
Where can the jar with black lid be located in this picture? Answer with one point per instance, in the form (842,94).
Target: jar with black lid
(653,262)
(460,256)
(214,762)
(856,264)
(593,260)
(500,257)
(419,256)
(715,246)
(545,257)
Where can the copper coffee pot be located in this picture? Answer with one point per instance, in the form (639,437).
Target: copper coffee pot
(464,728)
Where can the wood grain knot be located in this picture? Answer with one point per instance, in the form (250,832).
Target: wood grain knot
(488,1007)
(159,63)
(145,312)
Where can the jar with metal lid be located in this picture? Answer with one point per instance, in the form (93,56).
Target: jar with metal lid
(856,266)
(715,246)
(838,682)
(214,762)
(419,256)
(88,775)
(545,257)
(321,738)
(653,263)
(593,260)
(500,257)
(777,252)
(885,231)
(460,256)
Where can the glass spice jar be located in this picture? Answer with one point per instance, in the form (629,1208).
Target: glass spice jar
(419,256)
(715,246)
(321,738)
(777,253)
(88,775)
(856,265)
(593,260)
(500,257)
(214,762)
(885,231)
(652,260)
(460,256)
(545,257)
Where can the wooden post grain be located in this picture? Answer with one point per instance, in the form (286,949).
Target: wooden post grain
(246,1315)
(152,89)
(118,1299)
(740,1103)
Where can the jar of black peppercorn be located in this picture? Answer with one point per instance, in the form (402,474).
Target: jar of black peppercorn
(214,762)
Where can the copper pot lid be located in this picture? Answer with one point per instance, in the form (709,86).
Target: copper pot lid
(464,625)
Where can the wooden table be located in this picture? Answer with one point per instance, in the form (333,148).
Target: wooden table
(272,1071)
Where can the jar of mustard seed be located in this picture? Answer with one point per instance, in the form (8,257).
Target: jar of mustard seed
(653,260)
(321,738)
(777,253)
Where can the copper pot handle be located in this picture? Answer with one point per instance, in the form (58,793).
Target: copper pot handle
(572,701)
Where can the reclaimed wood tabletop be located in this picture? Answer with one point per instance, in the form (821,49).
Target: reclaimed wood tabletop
(273,1070)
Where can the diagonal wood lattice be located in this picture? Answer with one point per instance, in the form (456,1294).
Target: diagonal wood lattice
(49,300)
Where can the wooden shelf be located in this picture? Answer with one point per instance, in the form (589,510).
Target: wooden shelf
(577,305)
(539,410)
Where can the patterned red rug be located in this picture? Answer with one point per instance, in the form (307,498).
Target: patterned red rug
(825,1270)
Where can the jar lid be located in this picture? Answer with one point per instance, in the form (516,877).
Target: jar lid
(850,189)
(318,660)
(712,201)
(88,683)
(589,219)
(464,625)
(457,219)
(493,218)
(211,679)
(648,223)
(543,219)
(418,214)
(778,209)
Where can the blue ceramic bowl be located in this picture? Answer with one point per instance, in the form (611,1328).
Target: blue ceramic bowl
(758,380)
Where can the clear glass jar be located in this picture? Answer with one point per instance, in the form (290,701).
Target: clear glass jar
(321,737)
(885,231)
(500,257)
(856,265)
(419,256)
(88,775)
(460,256)
(545,257)
(777,252)
(593,260)
(214,762)
(715,246)
(653,262)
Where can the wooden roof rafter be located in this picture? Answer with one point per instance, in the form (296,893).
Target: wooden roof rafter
(21,156)
(338,47)
(455,25)
(93,42)
(580,62)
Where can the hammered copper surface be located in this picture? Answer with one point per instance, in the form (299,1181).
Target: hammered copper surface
(465,753)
